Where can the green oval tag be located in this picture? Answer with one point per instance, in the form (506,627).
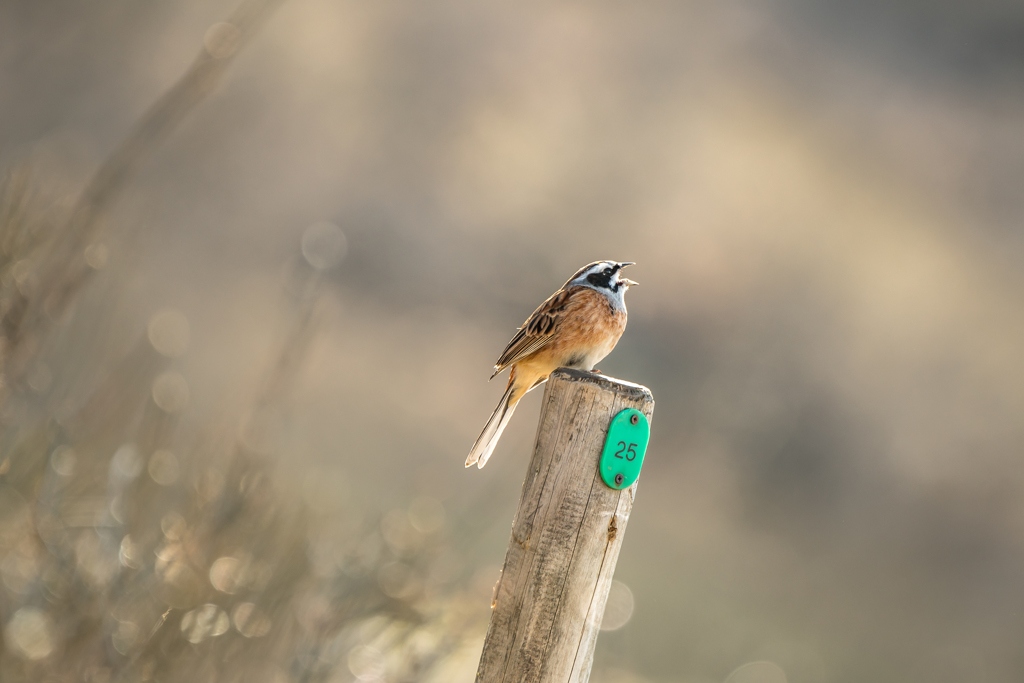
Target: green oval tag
(624,449)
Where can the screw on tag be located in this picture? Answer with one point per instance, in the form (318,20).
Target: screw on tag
(624,449)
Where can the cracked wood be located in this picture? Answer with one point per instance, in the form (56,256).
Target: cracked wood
(550,598)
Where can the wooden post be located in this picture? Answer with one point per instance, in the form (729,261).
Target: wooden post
(565,540)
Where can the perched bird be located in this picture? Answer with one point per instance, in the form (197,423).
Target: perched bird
(575,328)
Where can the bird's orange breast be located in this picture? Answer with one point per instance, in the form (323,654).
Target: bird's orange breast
(587,332)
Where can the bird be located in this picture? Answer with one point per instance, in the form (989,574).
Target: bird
(576,327)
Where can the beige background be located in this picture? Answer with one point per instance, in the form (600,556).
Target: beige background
(824,200)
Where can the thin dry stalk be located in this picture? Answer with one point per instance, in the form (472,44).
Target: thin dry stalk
(65,267)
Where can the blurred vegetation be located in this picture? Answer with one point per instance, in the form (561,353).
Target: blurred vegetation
(136,548)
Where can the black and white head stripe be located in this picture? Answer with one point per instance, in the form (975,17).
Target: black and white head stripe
(597,274)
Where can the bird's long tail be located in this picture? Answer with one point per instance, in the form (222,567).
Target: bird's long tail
(488,438)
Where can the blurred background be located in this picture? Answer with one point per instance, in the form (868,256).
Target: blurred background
(250,301)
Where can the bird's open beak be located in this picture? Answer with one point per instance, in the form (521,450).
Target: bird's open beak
(624,281)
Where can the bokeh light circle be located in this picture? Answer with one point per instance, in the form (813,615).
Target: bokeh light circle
(125,637)
(29,633)
(205,621)
(170,392)
(63,461)
(163,467)
(250,621)
(169,332)
(324,245)
(618,610)
(225,574)
(127,462)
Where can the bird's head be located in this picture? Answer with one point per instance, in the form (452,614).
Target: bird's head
(603,276)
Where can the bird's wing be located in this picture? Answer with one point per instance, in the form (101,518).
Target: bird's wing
(537,331)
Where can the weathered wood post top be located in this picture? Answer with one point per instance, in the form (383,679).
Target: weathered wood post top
(567,531)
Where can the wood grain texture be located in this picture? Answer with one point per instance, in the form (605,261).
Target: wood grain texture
(565,538)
